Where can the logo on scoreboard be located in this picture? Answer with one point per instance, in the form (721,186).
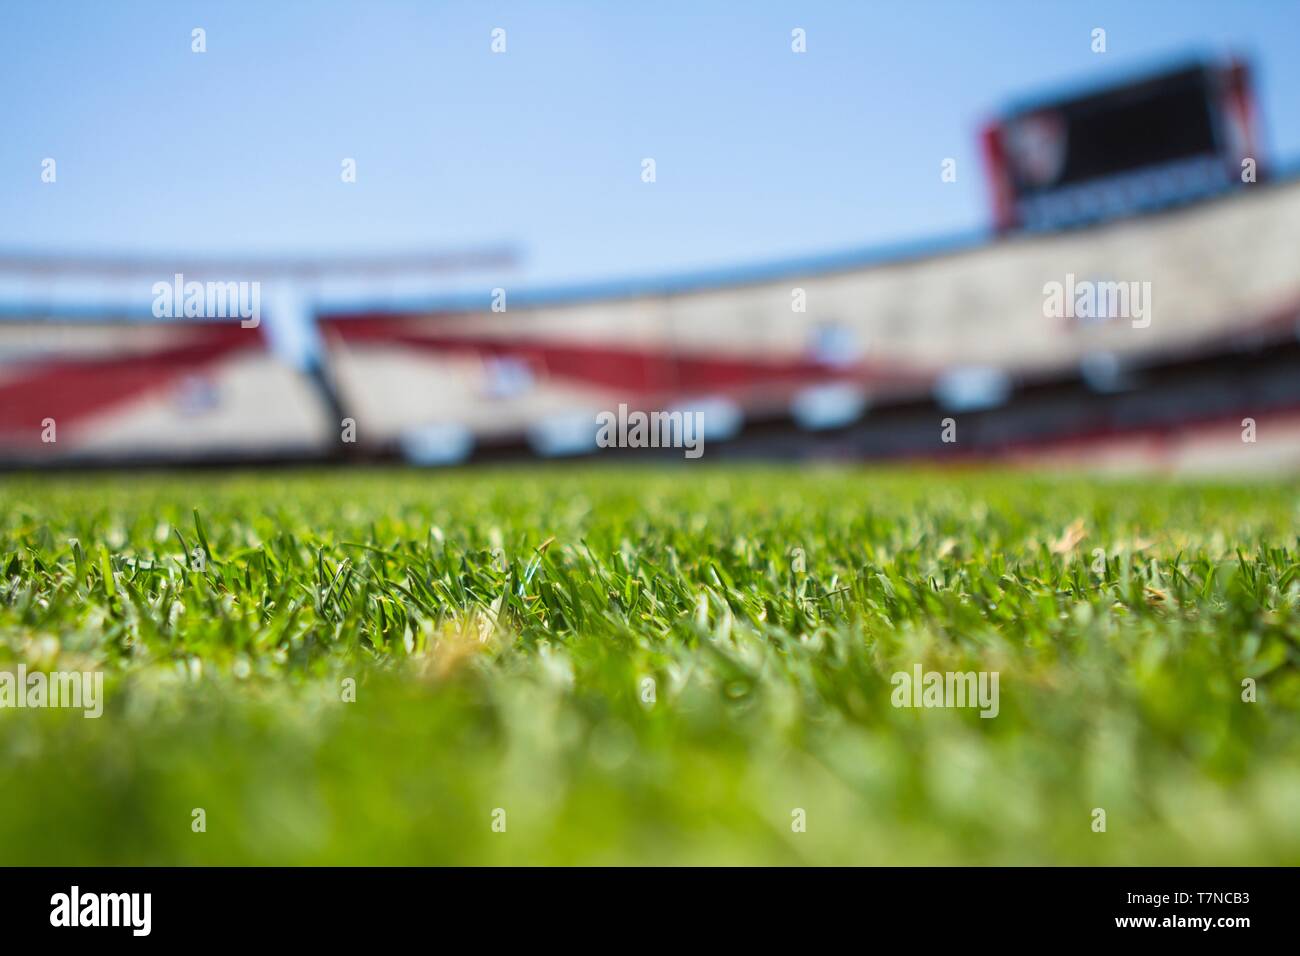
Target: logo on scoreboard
(1037,147)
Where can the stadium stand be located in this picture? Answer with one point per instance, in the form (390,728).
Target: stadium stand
(859,354)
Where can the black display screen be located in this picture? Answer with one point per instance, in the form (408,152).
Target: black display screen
(1158,121)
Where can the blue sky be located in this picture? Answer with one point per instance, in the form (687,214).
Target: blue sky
(760,153)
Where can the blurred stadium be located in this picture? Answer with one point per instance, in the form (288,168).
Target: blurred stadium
(1157,178)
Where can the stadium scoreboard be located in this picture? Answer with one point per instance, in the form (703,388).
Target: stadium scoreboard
(1162,140)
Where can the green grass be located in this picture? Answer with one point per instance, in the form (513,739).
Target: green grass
(499,626)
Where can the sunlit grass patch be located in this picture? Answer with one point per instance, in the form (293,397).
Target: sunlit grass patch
(650,666)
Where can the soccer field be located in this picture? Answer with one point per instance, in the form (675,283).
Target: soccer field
(680,665)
